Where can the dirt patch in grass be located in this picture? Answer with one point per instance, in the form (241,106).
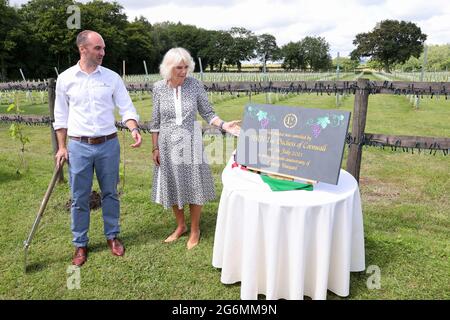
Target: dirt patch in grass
(373,189)
(95,201)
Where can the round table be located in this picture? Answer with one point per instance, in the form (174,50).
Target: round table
(288,244)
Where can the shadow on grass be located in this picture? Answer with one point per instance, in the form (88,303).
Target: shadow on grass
(380,253)
(132,239)
(97,247)
(156,233)
(133,236)
(36,267)
(155,229)
(39,264)
(9,176)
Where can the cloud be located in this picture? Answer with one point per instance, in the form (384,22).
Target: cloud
(139,4)
(415,10)
(291,20)
(17,3)
(372,2)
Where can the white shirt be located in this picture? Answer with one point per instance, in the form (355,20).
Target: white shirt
(177,98)
(178,115)
(85,102)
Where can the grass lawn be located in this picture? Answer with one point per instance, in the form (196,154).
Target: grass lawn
(405,197)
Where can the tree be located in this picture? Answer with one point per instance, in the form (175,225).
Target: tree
(201,41)
(438,57)
(243,46)
(46,37)
(374,65)
(191,38)
(311,52)
(267,48)
(110,21)
(345,64)
(412,64)
(8,22)
(163,37)
(316,52)
(390,42)
(217,49)
(293,56)
(141,46)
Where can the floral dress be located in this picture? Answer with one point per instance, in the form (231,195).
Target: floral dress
(183,176)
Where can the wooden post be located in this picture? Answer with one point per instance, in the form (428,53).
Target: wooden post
(338,102)
(424,66)
(201,68)
(146,72)
(358,127)
(51,107)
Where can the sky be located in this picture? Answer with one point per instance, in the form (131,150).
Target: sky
(337,21)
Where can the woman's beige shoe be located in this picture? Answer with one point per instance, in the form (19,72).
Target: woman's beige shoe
(192,243)
(175,236)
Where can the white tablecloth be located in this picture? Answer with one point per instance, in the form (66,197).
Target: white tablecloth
(287,244)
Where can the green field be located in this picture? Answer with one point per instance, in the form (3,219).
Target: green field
(405,198)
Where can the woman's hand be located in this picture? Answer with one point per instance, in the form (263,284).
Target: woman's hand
(156,157)
(232,127)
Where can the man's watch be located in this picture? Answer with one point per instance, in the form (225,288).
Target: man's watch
(136,129)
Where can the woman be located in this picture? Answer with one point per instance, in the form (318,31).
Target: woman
(181,176)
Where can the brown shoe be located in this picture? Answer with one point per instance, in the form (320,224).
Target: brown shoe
(116,247)
(80,256)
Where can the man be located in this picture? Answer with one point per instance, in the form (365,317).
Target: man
(86,95)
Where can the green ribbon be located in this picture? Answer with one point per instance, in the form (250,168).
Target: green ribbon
(285,185)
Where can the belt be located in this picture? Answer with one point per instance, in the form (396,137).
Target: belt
(94,140)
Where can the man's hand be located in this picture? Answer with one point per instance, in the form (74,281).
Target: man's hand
(137,139)
(60,155)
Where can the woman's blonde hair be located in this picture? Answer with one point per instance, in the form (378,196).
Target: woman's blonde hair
(173,57)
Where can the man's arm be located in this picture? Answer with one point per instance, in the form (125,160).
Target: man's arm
(61,114)
(62,153)
(127,110)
